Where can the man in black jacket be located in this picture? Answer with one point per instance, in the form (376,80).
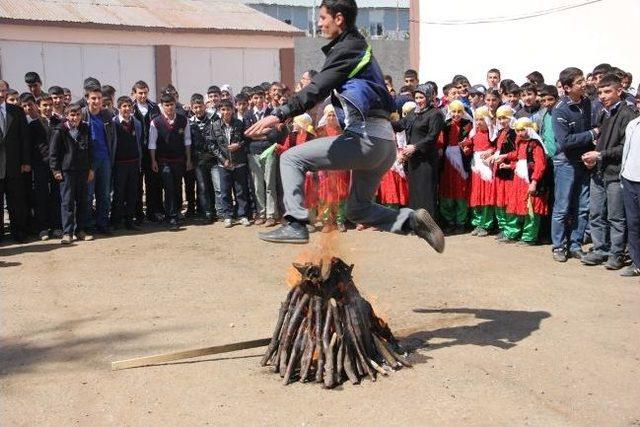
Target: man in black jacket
(607,219)
(15,159)
(353,78)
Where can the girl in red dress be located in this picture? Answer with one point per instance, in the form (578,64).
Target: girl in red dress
(454,181)
(333,185)
(528,201)
(482,195)
(503,172)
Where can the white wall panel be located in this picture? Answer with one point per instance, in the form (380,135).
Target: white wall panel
(63,67)
(102,62)
(191,71)
(261,65)
(16,58)
(226,67)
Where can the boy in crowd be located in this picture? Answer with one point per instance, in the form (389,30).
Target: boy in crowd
(411,79)
(535,78)
(49,122)
(549,97)
(213,100)
(67,96)
(170,152)
(275,93)
(108,94)
(476,97)
(200,123)
(230,149)
(126,165)
(630,181)
(242,106)
(34,84)
(103,139)
(43,200)
(530,105)
(514,93)
(493,79)
(13,97)
(145,110)
(70,160)
(574,136)
(57,96)
(607,220)
(462,84)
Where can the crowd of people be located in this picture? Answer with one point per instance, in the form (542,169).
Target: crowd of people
(531,163)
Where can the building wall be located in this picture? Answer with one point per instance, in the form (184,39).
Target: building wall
(578,37)
(120,57)
(392,55)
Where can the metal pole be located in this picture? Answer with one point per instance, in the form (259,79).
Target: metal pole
(314,25)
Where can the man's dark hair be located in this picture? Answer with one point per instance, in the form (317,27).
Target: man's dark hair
(213,89)
(387,77)
(618,72)
(140,84)
(124,99)
(411,73)
(66,90)
(197,98)
(90,81)
(602,69)
(45,97)
(258,90)
(549,90)
(460,79)
(92,88)
(494,70)
(505,84)
(75,107)
(433,85)
(610,79)
(514,89)
(12,92)
(348,9)
(569,75)
(446,88)
(56,90)
(246,90)
(108,91)
(536,77)
(225,103)
(27,97)
(492,92)
(167,98)
(169,88)
(241,97)
(529,87)
(405,89)
(32,78)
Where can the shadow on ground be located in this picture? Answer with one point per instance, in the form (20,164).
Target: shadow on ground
(58,344)
(502,329)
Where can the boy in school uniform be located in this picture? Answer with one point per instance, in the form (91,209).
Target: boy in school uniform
(200,123)
(12,97)
(145,110)
(67,96)
(57,96)
(126,166)
(71,162)
(531,107)
(170,152)
(34,84)
(44,200)
(214,95)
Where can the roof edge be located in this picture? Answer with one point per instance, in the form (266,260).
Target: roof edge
(70,24)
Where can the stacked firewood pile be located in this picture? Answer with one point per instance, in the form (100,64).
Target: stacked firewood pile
(327,332)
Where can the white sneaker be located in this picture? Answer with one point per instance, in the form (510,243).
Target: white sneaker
(245,221)
(44,235)
(228,223)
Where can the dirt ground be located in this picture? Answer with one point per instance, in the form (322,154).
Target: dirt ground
(505,335)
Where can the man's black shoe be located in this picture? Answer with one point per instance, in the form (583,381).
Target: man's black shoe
(209,218)
(614,262)
(293,232)
(577,254)
(173,225)
(104,230)
(426,228)
(130,225)
(593,258)
(559,255)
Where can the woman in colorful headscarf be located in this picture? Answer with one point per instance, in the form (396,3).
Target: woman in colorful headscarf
(420,156)
(454,182)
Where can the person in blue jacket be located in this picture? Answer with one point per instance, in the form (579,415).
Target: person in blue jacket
(353,78)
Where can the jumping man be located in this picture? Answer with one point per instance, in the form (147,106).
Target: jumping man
(353,78)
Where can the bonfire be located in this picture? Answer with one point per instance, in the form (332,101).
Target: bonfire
(327,332)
